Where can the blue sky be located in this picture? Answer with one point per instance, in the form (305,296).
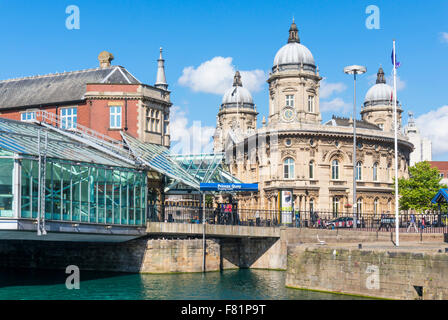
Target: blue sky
(36,41)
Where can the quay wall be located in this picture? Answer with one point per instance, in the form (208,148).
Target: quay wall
(158,255)
(371,273)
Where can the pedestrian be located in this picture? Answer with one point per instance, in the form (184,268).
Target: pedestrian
(412,223)
(383,222)
(257,218)
(423,223)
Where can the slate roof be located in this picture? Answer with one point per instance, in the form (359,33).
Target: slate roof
(345,122)
(53,89)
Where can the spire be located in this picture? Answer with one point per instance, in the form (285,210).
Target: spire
(237,80)
(293,33)
(380,76)
(161,79)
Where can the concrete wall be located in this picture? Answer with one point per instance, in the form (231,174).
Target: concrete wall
(375,273)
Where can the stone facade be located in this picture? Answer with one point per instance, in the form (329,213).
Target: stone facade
(295,151)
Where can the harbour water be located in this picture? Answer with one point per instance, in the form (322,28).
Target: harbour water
(226,285)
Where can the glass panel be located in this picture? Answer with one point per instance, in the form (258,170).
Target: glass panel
(109,188)
(25,211)
(93,198)
(116,196)
(6,196)
(124,197)
(57,187)
(84,193)
(76,193)
(66,192)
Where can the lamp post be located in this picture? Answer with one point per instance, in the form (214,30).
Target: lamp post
(354,70)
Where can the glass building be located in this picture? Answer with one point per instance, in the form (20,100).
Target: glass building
(81,184)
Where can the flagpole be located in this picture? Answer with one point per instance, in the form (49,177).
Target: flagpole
(397,227)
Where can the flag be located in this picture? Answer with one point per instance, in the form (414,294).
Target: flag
(397,64)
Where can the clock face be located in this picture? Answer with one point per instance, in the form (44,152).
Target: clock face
(288,114)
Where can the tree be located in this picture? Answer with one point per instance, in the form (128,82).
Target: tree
(422,185)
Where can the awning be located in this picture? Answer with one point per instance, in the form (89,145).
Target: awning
(440,197)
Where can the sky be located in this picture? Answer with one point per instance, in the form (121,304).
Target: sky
(204,42)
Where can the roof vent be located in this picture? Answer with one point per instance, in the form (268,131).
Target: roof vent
(105,58)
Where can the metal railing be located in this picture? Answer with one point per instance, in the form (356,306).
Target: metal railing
(56,121)
(424,222)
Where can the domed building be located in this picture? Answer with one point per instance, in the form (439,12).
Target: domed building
(295,152)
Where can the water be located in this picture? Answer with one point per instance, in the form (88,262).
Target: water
(227,285)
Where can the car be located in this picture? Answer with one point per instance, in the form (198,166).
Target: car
(343,222)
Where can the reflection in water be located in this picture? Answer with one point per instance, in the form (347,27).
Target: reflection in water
(233,284)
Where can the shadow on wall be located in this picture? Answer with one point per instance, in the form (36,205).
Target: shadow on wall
(52,258)
(243,253)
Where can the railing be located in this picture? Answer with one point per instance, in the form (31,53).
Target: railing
(426,222)
(56,121)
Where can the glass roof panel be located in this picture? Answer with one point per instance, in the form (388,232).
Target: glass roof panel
(22,138)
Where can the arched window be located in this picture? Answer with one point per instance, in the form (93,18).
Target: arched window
(335,206)
(359,205)
(335,169)
(359,171)
(311,169)
(288,168)
(375,206)
(311,205)
(375,171)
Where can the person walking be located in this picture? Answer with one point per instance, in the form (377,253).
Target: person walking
(383,223)
(412,223)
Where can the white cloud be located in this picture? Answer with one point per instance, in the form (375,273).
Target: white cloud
(432,125)
(216,76)
(337,104)
(401,84)
(327,89)
(444,37)
(189,139)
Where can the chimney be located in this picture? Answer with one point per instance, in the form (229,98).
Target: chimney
(105,58)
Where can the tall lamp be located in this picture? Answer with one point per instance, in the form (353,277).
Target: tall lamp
(354,70)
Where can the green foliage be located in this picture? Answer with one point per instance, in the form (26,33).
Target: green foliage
(417,191)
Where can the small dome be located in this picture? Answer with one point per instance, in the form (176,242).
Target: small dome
(237,96)
(381,93)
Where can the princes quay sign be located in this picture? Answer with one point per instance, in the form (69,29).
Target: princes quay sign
(229,187)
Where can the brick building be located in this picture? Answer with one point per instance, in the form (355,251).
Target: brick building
(442,166)
(107,99)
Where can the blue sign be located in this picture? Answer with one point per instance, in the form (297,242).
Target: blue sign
(238,187)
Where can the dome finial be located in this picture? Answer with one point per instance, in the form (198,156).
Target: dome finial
(293,33)
(380,76)
(237,80)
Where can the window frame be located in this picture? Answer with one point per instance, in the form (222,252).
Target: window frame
(290,100)
(115,115)
(288,168)
(74,115)
(311,104)
(335,165)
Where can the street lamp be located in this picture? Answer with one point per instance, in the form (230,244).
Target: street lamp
(354,70)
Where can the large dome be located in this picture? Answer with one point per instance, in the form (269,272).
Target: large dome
(380,93)
(237,96)
(294,54)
